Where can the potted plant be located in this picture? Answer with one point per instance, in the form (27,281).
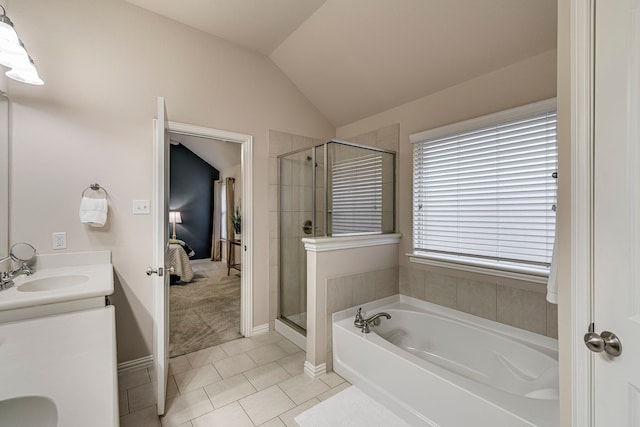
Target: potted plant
(236,221)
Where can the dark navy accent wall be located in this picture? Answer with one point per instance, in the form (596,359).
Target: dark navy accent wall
(191,193)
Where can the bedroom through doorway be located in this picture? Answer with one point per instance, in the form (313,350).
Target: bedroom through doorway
(205,214)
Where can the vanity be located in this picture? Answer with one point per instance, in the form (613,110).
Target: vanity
(57,344)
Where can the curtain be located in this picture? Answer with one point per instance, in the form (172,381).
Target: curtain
(216,238)
(229,186)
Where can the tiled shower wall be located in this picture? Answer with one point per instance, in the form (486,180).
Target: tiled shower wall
(512,302)
(280,143)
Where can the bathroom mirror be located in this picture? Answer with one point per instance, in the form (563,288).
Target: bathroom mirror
(4,176)
(22,252)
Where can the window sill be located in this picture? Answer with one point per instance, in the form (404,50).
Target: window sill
(518,274)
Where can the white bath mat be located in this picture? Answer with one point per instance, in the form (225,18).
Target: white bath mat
(349,408)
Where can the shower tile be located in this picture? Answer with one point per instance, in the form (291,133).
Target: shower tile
(440,289)
(273,198)
(522,309)
(279,143)
(273,171)
(477,298)
(273,224)
(286,198)
(273,251)
(388,137)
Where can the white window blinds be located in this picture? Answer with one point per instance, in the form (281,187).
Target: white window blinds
(357,195)
(487,195)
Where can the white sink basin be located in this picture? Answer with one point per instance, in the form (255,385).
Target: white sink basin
(53,283)
(28,411)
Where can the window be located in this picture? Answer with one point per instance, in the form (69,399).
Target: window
(223,210)
(484,191)
(357,195)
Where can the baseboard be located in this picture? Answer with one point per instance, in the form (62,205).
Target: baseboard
(260,329)
(134,365)
(314,371)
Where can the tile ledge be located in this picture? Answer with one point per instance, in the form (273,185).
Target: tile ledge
(324,244)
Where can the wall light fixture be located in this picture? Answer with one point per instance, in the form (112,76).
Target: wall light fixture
(14,55)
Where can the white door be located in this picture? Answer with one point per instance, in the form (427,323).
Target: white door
(617,210)
(160,254)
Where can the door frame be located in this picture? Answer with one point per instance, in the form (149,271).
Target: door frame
(582,204)
(246,278)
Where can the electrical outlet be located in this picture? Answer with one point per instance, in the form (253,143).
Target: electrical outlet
(141,207)
(59,240)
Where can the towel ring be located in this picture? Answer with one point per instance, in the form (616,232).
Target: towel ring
(95,187)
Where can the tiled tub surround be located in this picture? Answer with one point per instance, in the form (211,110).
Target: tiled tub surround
(257,381)
(354,290)
(512,302)
(341,270)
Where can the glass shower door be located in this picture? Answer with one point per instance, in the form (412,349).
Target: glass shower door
(296,222)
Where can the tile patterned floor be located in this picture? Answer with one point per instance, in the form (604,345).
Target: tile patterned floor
(257,381)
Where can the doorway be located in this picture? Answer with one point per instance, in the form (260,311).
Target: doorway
(204,143)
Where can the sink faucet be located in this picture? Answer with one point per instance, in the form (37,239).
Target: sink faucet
(365,325)
(6,277)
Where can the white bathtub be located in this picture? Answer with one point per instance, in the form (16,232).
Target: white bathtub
(435,366)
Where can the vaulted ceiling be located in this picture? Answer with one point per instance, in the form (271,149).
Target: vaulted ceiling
(355,58)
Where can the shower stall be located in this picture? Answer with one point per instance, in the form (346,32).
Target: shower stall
(333,189)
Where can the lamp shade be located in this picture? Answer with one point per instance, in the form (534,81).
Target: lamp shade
(25,73)
(175,217)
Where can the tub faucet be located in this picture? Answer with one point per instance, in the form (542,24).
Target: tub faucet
(365,325)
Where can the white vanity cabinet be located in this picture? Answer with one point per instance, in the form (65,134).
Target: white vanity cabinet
(58,345)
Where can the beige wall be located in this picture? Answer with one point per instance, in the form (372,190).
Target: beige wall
(104,63)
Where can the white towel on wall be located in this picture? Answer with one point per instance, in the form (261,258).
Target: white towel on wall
(93,211)
(552,284)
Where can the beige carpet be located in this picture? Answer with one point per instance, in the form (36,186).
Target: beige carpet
(206,311)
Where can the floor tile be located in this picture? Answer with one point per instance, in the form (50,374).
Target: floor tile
(337,389)
(234,365)
(294,363)
(266,375)
(288,346)
(172,387)
(147,417)
(179,364)
(229,390)
(142,396)
(205,356)
(288,417)
(266,354)
(238,346)
(230,415)
(187,424)
(123,403)
(270,337)
(186,407)
(196,378)
(266,404)
(276,422)
(133,378)
(302,388)
(331,379)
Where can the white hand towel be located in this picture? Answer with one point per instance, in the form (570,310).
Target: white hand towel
(93,211)
(552,284)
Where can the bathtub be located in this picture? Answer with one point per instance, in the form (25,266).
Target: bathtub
(435,366)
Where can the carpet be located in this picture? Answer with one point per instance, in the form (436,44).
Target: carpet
(206,311)
(349,408)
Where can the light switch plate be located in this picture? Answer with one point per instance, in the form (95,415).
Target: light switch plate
(141,207)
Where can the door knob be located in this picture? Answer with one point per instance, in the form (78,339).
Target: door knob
(159,271)
(606,341)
